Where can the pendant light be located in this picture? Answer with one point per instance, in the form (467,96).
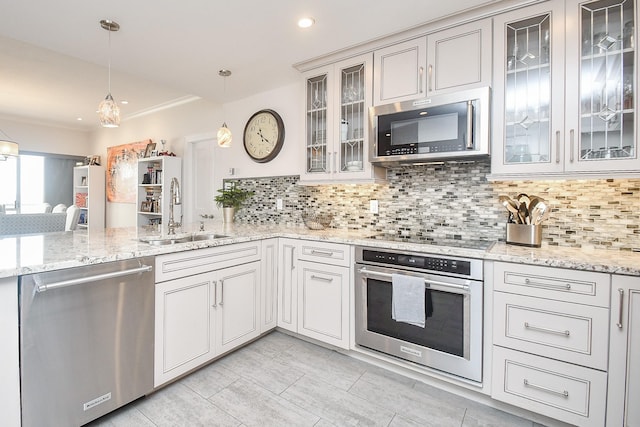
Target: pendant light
(224,133)
(7,148)
(108,110)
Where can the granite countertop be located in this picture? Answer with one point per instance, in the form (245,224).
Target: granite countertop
(27,254)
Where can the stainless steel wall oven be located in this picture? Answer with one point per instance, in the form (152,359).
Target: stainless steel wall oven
(451,339)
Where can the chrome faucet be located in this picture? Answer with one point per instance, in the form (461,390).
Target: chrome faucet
(174,200)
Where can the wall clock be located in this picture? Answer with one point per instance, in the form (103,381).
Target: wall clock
(264,136)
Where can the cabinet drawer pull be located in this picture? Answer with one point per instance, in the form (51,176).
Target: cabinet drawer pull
(620,307)
(564,393)
(420,74)
(322,279)
(321,253)
(221,291)
(430,76)
(566,286)
(293,264)
(543,329)
(557,146)
(215,294)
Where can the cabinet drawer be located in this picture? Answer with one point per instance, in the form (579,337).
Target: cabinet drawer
(182,264)
(582,287)
(559,390)
(328,253)
(570,332)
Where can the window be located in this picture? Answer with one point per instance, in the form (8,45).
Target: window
(34,179)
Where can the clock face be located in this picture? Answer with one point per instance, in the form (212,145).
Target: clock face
(264,135)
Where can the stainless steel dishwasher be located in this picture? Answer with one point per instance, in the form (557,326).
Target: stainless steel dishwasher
(86,341)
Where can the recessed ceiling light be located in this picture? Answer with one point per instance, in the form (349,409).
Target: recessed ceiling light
(79,119)
(124,102)
(306,22)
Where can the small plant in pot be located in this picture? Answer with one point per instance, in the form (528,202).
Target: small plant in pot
(231,199)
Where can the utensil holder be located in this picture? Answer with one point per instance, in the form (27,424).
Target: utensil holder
(524,235)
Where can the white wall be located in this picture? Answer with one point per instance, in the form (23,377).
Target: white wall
(204,118)
(46,139)
(286,101)
(172,124)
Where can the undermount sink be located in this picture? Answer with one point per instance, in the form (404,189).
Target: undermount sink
(170,240)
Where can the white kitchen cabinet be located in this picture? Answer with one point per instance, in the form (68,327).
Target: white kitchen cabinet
(269,285)
(623,398)
(451,59)
(399,72)
(337,99)
(10,354)
(207,303)
(323,292)
(287,284)
(550,339)
(564,85)
(237,307)
(185,326)
(154,177)
(89,195)
(553,388)
(459,57)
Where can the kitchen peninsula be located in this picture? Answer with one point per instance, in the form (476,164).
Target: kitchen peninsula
(41,253)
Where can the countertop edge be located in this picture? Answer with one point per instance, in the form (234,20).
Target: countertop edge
(98,251)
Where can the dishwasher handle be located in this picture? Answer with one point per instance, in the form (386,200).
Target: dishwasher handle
(42,287)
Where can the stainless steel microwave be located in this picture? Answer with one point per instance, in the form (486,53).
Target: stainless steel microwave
(443,127)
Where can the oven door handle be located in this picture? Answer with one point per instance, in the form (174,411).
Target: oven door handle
(364,272)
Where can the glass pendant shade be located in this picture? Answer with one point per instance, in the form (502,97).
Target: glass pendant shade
(109,113)
(8,149)
(224,136)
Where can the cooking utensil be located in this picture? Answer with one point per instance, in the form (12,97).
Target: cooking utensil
(523,213)
(541,214)
(523,198)
(511,206)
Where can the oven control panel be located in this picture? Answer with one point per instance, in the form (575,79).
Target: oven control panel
(421,262)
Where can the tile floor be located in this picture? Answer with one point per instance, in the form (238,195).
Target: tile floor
(283,381)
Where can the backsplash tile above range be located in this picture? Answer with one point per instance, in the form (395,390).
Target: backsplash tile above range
(455,200)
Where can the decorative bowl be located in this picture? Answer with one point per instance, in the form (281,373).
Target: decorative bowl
(317,221)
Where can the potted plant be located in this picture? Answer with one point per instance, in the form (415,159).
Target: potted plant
(230,199)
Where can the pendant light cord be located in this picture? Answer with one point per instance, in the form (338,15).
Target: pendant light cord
(109,62)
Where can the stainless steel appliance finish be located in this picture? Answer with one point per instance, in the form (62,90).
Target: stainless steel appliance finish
(451,340)
(443,127)
(86,341)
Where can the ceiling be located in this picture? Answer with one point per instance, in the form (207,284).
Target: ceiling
(54,55)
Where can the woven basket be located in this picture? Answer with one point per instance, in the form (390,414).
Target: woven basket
(317,221)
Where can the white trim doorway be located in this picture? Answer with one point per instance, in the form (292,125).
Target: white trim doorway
(198,176)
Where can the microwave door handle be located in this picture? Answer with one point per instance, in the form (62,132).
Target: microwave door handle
(469,125)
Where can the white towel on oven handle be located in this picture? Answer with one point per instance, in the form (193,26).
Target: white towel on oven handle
(408,299)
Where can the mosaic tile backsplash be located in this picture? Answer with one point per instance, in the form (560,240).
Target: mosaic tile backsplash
(454,201)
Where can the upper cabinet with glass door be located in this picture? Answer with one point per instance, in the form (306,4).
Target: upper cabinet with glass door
(601,105)
(337,102)
(529,90)
(565,112)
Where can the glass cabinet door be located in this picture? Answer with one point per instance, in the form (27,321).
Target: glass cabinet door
(353,116)
(317,125)
(527,102)
(607,80)
(529,107)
